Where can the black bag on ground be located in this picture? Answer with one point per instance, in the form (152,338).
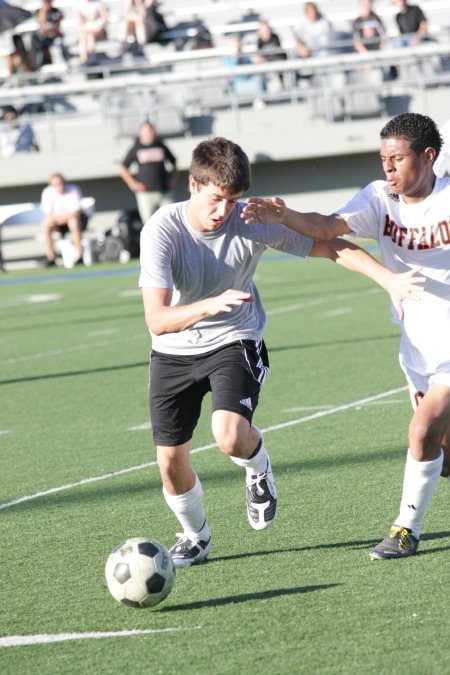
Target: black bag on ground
(124,236)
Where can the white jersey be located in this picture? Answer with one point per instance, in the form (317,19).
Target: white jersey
(412,236)
(198,265)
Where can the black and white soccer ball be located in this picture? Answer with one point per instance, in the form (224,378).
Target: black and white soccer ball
(139,572)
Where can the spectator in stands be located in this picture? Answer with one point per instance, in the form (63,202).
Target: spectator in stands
(412,24)
(143,21)
(243,84)
(20,60)
(368,29)
(153,184)
(92,16)
(61,206)
(314,34)
(15,137)
(268,45)
(49,31)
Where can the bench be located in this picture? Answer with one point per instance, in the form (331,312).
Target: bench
(25,223)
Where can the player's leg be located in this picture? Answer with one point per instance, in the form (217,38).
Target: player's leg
(424,463)
(183,493)
(244,444)
(238,373)
(175,404)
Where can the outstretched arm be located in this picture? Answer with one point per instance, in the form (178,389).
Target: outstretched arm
(161,318)
(406,285)
(273,211)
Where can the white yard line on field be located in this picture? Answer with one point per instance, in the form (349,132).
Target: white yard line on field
(282,425)
(105,343)
(69,350)
(45,638)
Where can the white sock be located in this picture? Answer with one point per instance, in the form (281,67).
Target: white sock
(419,482)
(188,508)
(257,463)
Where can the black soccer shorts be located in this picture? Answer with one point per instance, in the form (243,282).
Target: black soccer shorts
(233,374)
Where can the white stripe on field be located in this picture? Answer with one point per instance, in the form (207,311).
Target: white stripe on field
(69,350)
(282,425)
(45,638)
(270,312)
(318,301)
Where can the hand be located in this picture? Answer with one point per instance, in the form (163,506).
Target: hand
(137,186)
(225,302)
(264,211)
(405,286)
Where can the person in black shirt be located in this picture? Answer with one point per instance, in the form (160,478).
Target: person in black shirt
(49,31)
(153,183)
(368,29)
(411,22)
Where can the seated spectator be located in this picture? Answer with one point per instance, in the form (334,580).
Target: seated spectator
(314,34)
(269,45)
(20,60)
(142,21)
(15,137)
(368,29)
(92,18)
(412,24)
(49,31)
(61,206)
(248,84)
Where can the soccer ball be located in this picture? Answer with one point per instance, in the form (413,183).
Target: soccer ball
(139,572)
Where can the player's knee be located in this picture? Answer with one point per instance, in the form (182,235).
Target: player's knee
(227,440)
(170,465)
(423,437)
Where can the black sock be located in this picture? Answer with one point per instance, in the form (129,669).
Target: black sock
(256,450)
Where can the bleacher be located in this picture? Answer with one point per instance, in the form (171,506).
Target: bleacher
(81,112)
(328,106)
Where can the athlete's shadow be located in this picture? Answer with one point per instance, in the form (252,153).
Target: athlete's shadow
(246,597)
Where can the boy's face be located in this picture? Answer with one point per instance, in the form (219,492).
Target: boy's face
(209,205)
(406,172)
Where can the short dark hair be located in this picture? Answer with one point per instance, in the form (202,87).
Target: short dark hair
(421,131)
(221,162)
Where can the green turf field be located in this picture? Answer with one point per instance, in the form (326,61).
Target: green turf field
(78,476)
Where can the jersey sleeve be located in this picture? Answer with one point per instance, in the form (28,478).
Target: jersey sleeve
(130,157)
(361,213)
(155,257)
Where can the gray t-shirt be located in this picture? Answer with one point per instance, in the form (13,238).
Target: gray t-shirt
(198,265)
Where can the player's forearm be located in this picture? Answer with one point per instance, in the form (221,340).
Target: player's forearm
(314,225)
(356,259)
(175,319)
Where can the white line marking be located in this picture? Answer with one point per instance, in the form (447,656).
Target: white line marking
(327,407)
(304,408)
(141,427)
(337,312)
(101,333)
(69,350)
(81,347)
(45,638)
(318,301)
(130,294)
(146,465)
